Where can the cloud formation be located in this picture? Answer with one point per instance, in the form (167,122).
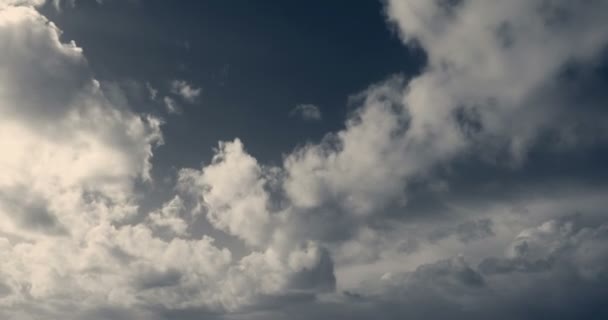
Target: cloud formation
(69,202)
(337,229)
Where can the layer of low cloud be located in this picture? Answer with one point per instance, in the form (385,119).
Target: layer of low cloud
(335,230)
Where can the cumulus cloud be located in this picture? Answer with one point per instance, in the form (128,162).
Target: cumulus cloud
(308,112)
(232,191)
(69,203)
(333,231)
(493,87)
(170,216)
(455,288)
(476,93)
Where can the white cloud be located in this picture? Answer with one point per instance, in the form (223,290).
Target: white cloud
(370,149)
(496,64)
(169,216)
(490,88)
(478,93)
(70,237)
(232,191)
(31,3)
(72,140)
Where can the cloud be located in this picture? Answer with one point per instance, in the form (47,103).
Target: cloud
(14,3)
(233,194)
(71,159)
(171,106)
(334,231)
(152,92)
(169,216)
(307,112)
(185,90)
(508,70)
(492,89)
(70,226)
(72,140)
(454,288)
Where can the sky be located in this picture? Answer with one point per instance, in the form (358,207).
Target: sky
(396,159)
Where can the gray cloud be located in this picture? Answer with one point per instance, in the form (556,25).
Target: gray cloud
(467,231)
(307,112)
(185,90)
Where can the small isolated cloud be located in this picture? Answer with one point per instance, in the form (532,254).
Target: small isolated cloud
(185,90)
(308,112)
(172,106)
(152,92)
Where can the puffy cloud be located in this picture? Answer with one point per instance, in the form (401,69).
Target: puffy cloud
(70,224)
(494,85)
(337,214)
(169,216)
(477,93)
(370,149)
(491,65)
(66,146)
(455,288)
(71,158)
(233,193)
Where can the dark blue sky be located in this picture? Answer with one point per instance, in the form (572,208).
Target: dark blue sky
(257,59)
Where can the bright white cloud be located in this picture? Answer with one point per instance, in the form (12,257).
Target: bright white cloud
(31,3)
(233,194)
(70,161)
(69,232)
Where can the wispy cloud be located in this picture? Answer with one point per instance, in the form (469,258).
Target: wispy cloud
(185,90)
(309,112)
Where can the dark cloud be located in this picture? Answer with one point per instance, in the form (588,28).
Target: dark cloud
(154,279)
(5,290)
(467,231)
(318,279)
(30,211)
